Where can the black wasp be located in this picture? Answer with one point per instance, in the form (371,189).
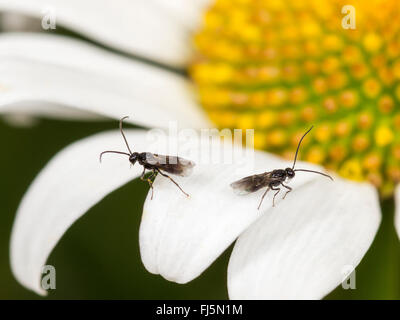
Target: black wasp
(156,163)
(272,179)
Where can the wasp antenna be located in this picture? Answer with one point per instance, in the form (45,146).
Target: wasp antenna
(321,173)
(298,146)
(123,135)
(111,151)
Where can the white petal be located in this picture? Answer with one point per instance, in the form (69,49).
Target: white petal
(397,209)
(180,237)
(38,72)
(71,183)
(303,248)
(136,26)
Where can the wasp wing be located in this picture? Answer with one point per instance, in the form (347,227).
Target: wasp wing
(174,165)
(251,183)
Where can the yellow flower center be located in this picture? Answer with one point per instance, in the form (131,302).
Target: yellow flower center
(281,66)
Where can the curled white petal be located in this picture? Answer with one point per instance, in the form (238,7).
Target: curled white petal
(70,184)
(136,26)
(303,248)
(39,72)
(180,237)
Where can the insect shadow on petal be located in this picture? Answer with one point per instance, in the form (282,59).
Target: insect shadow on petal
(155,163)
(273,180)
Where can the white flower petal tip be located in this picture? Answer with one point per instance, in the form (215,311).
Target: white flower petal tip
(303,248)
(138,27)
(70,184)
(180,237)
(39,72)
(397,209)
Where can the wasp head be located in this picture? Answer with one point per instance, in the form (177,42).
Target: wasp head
(289,173)
(134,157)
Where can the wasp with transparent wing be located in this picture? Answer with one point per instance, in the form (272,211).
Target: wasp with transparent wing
(155,163)
(273,180)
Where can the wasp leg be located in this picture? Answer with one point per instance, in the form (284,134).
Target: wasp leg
(289,189)
(276,193)
(150,182)
(167,176)
(143,173)
(262,198)
(153,175)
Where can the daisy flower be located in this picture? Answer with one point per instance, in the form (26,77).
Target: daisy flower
(275,66)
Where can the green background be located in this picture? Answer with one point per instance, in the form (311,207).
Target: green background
(98,258)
